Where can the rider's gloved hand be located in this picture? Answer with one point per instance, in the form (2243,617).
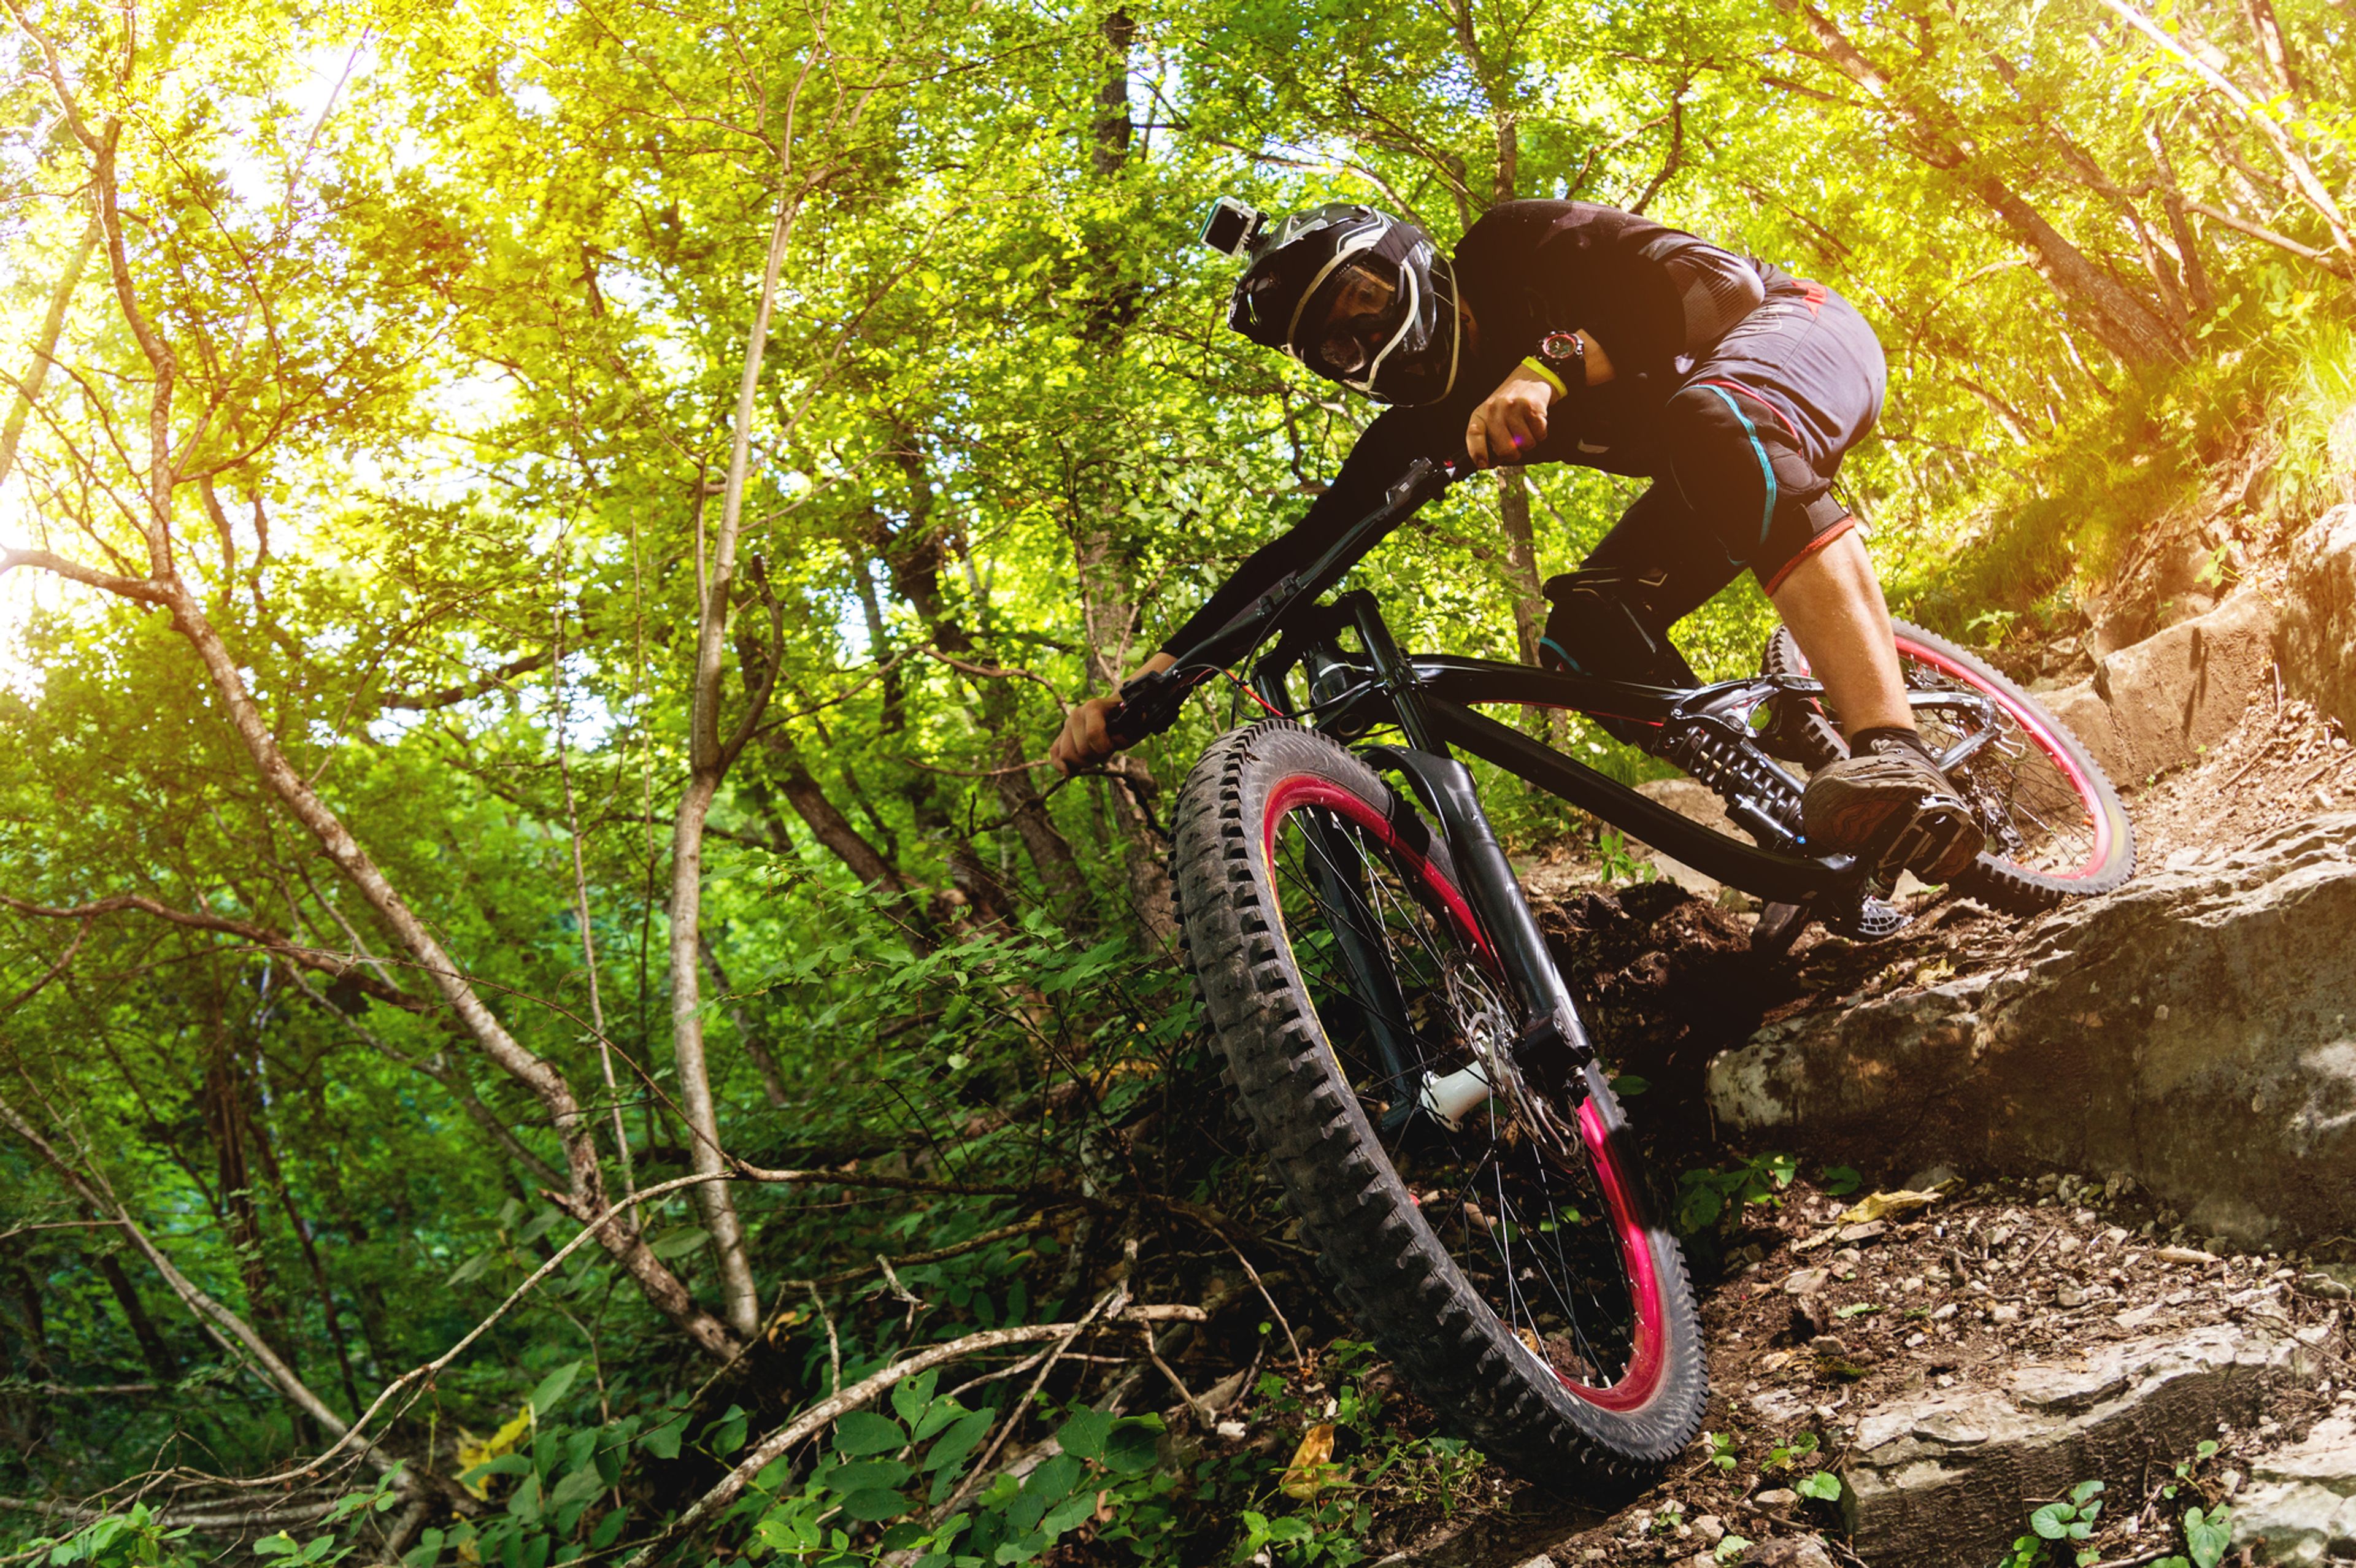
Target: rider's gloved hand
(1087,740)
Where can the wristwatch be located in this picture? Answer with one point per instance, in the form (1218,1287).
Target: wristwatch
(1565,353)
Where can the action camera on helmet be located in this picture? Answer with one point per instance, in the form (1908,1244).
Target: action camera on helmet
(1233,227)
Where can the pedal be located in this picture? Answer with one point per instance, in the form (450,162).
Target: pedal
(1921,839)
(1873,920)
(1778,926)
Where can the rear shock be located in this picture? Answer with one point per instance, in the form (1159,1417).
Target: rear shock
(1760,797)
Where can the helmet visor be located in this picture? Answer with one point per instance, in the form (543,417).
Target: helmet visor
(1356,314)
(1383,326)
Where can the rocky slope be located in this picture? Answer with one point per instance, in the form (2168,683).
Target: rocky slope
(2138,1114)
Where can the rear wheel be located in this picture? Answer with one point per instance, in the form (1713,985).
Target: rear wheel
(1507,1264)
(2055,826)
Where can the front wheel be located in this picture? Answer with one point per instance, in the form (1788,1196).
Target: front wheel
(1503,1258)
(2055,826)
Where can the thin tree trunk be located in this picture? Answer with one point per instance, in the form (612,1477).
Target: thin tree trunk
(709,757)
(53,326)
(2199,296)
(1521,562)
(152,1348)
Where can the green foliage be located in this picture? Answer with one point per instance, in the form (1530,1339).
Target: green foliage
(1821,1485)
(899,1476)
(2060,1522)
(458,306)
(1616,864)
(1709,1198)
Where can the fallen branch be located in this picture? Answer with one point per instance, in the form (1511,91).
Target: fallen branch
(1115,1299)
(732,1486)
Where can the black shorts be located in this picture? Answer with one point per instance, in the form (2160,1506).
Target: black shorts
(1751,443)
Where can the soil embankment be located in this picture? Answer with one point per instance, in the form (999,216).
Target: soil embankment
(2138,1117)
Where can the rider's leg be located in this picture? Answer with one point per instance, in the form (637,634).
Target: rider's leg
(1611,617)
(1832,600)
(1743,463)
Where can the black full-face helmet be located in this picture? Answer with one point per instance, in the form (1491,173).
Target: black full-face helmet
(1356,294)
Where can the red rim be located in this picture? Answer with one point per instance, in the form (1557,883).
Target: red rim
(1647,1359)
(2035,726)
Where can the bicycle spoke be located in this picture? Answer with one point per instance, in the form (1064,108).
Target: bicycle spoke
(1501,1209)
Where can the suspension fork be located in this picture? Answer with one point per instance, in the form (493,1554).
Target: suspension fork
(1555,1044)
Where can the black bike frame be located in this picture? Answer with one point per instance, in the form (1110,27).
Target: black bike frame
(1430,698)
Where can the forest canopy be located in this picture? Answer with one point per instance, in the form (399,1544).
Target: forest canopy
(544,547)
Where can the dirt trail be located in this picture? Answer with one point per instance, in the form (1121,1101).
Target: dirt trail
(1829,1339)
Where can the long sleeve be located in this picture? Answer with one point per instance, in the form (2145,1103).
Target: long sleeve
(1646,293)
(1376,462)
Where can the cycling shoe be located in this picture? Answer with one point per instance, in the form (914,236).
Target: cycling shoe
(1891,807)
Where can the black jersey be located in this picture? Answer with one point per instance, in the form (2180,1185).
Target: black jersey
(1653,296)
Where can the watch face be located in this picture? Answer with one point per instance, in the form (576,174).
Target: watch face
(1559,344)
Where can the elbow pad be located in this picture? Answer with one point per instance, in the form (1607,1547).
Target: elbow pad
(1714,288)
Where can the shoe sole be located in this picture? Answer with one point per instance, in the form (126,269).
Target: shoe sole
(1938,845)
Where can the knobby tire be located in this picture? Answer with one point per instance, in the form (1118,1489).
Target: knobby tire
(1600,1372)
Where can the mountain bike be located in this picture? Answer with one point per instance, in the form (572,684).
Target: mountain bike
(1408,1054)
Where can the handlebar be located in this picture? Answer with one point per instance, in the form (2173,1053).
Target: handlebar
(1149,704)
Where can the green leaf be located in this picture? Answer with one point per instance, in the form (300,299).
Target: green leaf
(790,1529)
(911,1395)
(1627,1085)
(1082,1436)
(673,1243)
(551,1389)
(1840,1181)
(579,1487)
(1069,1515)
(2206,1536)
(874,1506)
(961,1438)
(2052,1520)
(1824,1485)
(2084,1490)
(1134,1446)
(663,1440)
(866,1476)
(864,1432)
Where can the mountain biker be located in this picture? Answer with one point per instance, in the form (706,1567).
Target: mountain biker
(1568,332)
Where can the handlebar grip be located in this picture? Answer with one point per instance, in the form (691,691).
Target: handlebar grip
(1148,706)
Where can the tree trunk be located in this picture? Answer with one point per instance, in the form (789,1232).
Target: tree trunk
(53,326)
(158,1356)
(709,757)
(1521,562)
(2126,325)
